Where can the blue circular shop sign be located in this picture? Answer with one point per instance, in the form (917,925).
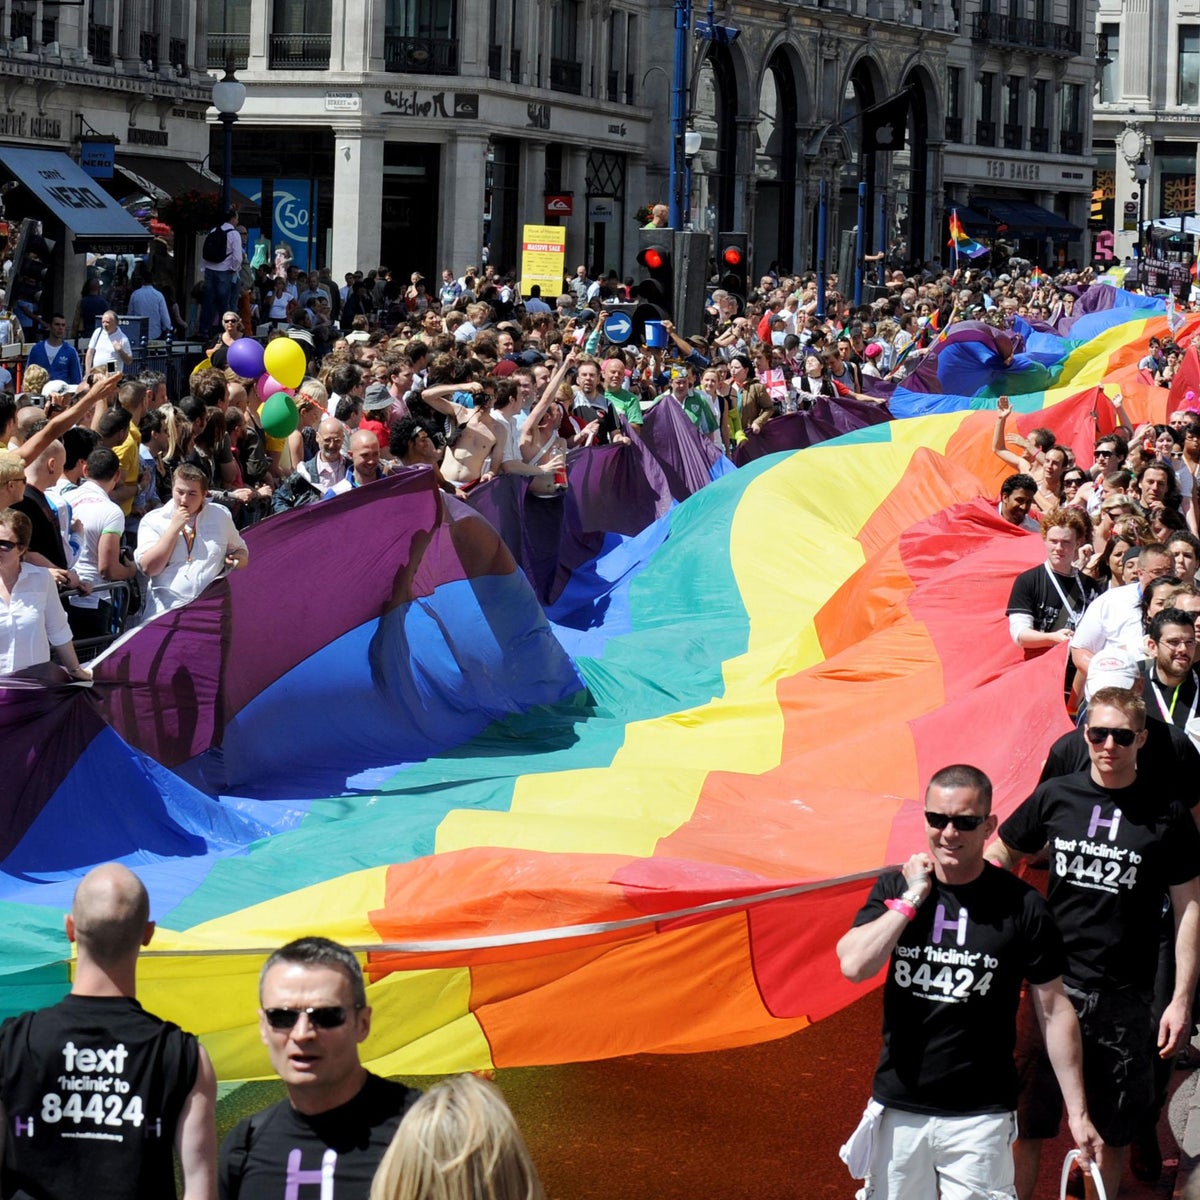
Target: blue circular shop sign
(618,327)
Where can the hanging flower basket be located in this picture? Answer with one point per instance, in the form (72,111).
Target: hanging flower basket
(191,211)
(643,215)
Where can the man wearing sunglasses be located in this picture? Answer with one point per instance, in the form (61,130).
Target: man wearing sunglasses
(327,1138)
(97,1092)
(1116,848)
(957,937)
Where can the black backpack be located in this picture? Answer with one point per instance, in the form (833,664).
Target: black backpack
(216,245)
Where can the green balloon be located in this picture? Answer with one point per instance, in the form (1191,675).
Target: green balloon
(279,416)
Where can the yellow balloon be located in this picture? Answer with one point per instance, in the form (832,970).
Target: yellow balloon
(285,361)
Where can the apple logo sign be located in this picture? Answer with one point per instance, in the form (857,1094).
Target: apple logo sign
(883,135)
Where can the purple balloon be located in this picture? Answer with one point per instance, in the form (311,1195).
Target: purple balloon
(268,389)
(246,357)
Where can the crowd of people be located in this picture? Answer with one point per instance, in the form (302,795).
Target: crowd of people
(110,483)
(1109,957)
(100,1095)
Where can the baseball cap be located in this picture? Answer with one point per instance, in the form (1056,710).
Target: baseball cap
(59,387)
(1110,668)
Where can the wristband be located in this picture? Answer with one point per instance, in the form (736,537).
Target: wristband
(901,906)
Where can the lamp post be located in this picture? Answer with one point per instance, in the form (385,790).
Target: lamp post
(228,96)
(1141,172)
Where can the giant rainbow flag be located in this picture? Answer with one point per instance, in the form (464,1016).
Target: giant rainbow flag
(637,819)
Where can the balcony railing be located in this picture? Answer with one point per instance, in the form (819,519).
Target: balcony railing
(1070,142)
(1039,139)
(298,52)
(148,47)
(222,45)
(1012,136)
(99,45)
(1025,33)
(418,55)
(985,133)
(566,76)
(495,62)
(954,129)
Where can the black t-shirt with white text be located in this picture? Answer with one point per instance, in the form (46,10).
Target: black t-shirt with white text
(281,1154)
(1114,853)
(953,984)
(1034,593)
(93,1088)
(1168,765)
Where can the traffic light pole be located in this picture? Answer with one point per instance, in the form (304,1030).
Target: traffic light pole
(683,21)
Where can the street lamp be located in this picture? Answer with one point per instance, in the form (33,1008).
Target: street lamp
(1141,172)
(228,96)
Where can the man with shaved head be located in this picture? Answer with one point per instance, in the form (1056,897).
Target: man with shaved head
(97,1092)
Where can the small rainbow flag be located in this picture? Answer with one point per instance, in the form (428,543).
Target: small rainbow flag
(1037,278)
(961,241)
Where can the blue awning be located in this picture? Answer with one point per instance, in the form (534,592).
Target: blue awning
(1020,218)
(972,220)
(96,222)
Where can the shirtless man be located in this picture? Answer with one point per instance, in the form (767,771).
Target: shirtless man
(478,450)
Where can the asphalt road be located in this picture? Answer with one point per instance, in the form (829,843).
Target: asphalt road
(762,1122)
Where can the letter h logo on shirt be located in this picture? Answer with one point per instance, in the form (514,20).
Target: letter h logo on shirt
(322,1176)
(941,925)
(1098,821)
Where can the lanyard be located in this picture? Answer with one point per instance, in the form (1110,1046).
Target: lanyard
(1169,712)
(1072,615)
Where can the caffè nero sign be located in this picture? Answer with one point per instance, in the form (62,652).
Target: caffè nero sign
(22,125)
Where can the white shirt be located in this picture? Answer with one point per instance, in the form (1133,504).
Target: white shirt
(32,621)
(187,574)
(106,347)
(98,515)
(1113,621)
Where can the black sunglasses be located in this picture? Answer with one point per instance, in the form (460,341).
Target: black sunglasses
(6,545)
(963,822)
(1103,453)
(1099,734)
(319,1018)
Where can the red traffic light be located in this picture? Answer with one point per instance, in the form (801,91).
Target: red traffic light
(731,256)
(652,258)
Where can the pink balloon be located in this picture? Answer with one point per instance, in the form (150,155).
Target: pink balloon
(272,385)
(261,383)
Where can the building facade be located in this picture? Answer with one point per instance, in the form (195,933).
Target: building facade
(1018,165)
(1147,111)
(418,132)
(121,84)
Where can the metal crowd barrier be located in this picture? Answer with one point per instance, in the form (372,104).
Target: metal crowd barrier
(119,594)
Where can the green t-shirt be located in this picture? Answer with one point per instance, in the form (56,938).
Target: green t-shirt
(700,412)
(626,403)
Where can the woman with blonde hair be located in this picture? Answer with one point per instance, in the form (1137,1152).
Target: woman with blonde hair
(458,1142)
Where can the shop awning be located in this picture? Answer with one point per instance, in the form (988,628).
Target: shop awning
(95,220)
(1020,218)
(1191,225)
(972,219)
(166,178)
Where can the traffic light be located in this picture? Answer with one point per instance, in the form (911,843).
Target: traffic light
(733,266)
(29,278)
(654,292)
